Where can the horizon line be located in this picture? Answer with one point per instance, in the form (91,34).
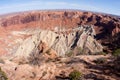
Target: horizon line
(18,12)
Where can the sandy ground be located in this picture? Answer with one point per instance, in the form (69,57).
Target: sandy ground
(58,69)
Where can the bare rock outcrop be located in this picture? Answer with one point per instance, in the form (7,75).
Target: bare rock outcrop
(61,42)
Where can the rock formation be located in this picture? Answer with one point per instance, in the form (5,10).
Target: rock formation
(38,45)
(13,25)
(61,41)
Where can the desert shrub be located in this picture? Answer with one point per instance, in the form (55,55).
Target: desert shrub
(103,53)
(44,73)
(35,58)
(3,75)
(86,51)
(79,49)
(57,59)
(49,60)
(22,61)
(2,61)
(100,53)
(116,63)
(48,51)
(100,60)
(69,54)
(33,75)
(75,75)
(116,52)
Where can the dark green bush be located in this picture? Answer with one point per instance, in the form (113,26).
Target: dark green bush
(116,52)
(75,75)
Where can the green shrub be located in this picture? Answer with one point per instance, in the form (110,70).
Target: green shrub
(3,75)
(116,52)
(100,53)
(100,61)
(69,54)
(79,49)
(75,75)
(103,53)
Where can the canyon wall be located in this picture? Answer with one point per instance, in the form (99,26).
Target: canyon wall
(63,19)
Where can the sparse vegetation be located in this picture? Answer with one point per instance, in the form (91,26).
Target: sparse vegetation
(103,53)
(69,54)
(35,58)
(22,61)
(2,61)
(49,60)
(3,75)
(116,52)
(48,51)
(100,53)
(116,64)
(44,73)
(86,51)
(79,49)
(33,75)
(75,75)
(100,60)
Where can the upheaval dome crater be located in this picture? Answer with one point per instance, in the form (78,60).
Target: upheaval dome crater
(59,45)
(60,32)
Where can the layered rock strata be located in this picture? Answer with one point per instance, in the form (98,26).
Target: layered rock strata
(61,42)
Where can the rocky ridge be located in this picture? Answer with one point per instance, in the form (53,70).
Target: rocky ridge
(61,42)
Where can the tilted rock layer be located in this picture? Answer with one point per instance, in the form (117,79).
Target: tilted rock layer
(61,41)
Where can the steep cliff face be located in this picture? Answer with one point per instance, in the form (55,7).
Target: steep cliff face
(66,19)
